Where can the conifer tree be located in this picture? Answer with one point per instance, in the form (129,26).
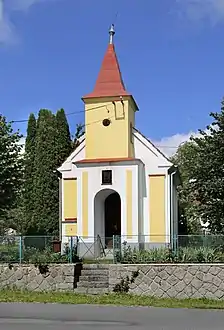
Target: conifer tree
(28,193)
(64,143)
(79,132)
(46,199)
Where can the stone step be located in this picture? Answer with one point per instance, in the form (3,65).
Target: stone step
(87,284)
(91,291)
(94,272)
(95,266)
(93,278)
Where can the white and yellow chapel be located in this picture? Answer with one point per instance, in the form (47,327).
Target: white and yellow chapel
(116,182)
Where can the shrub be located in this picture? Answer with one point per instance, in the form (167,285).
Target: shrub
(166,255)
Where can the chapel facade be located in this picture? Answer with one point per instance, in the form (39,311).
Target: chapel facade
(116,183)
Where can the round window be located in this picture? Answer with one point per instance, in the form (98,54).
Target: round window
(106,122)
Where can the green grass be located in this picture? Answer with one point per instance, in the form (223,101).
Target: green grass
(110,299)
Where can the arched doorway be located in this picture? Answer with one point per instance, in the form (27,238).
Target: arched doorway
(112,217)
(107,216)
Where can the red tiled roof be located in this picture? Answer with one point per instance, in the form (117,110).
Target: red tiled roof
(109,81)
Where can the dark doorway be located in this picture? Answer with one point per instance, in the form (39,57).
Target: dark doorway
(112,209)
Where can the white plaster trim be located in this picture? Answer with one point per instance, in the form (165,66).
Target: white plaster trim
(79,204)
(168,207)
(146,228)
(62,201)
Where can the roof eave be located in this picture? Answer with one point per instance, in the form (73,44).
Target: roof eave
(92,96)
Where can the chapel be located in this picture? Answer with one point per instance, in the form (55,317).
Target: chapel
(117,183)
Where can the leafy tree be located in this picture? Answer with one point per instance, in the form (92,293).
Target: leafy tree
(208,173)
(28,193)
(64,143)
(186,159)
(46,199)
(11,166)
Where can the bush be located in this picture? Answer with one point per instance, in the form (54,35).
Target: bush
(166,255)
(9,253)
(32,255)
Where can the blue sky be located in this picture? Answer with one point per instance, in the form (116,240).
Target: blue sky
(170,52)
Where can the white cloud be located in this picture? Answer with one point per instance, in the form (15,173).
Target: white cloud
(22,143)
(7,29)
(197,10)
(168,145)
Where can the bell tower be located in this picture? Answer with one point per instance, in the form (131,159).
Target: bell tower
(109,111)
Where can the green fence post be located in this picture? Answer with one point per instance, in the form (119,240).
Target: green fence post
(175,238)
(20,249)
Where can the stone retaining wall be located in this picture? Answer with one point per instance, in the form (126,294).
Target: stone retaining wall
(29,277)
(176,281)
(172,281)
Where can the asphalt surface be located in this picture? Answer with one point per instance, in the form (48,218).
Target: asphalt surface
(18,316)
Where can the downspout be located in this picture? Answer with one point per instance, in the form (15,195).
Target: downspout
(173,236)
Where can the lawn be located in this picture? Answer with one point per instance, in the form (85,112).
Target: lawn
(110,299)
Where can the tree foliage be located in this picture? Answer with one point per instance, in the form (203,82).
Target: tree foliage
(11,166)
(28,192)
(64,143)
(79,132)
(186,159)
(46,199)
(208,173)
(201,164)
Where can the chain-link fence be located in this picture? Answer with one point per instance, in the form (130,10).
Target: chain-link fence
(116,249)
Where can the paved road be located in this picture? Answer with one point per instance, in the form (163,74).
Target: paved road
(16,316)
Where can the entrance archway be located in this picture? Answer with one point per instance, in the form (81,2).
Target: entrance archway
(107,216)
(112,217)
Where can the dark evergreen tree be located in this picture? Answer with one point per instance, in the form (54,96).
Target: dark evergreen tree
(28,193)
(46,195)
(79,132)
(11,166)
(64,143)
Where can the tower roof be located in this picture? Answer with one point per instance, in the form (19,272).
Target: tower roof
(109,81)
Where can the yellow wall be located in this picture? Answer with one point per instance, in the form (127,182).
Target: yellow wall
(71,229)
(157,223)
(129,202)
(70,198)
(85,204)
(114,140)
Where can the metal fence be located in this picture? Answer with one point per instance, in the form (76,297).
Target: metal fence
(127,249)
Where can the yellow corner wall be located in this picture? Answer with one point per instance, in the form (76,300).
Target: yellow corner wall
(70,198)
(85,204)
(157,222)
(112,141)
(71,229)
(129,202)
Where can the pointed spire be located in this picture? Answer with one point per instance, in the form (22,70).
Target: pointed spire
(109,81)
(111,33)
